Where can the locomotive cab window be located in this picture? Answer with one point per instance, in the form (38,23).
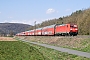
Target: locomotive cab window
(73,26)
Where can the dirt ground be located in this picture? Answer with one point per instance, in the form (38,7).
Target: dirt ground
(7,39)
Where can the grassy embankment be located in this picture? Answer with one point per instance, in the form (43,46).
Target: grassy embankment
(81,43)
(57,55)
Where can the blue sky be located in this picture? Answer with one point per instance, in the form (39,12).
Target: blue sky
(29,11)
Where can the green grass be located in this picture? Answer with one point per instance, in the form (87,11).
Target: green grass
(24,51)
(85,46)
(51,54)
(19,51)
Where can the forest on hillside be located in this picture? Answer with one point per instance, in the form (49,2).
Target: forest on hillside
(12,28)
(80,17)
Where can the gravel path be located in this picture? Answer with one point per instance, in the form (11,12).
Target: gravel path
(7,39)
(79,53)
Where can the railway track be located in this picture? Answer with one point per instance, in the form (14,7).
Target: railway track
(78,36)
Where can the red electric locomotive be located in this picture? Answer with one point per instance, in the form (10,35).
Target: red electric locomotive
(66,29)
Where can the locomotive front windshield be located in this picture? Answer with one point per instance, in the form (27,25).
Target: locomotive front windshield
(73,26)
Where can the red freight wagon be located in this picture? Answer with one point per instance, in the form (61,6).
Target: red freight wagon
(22,33)
(38,31)
(18,34)
(32,32)
(48,30)
(26,33)
(29,32)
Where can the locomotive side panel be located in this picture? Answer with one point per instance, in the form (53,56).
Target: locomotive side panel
(62,29)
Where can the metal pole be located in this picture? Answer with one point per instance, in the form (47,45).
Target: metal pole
(35,28)
(89,30)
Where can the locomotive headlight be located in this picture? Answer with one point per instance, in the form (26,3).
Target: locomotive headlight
(76,29)
(70,29)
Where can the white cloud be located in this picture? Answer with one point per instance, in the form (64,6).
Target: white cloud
(50,11)
(17,21)
(20,21)
(30,22)
(6,21)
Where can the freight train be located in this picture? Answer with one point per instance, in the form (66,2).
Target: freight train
(56,29)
